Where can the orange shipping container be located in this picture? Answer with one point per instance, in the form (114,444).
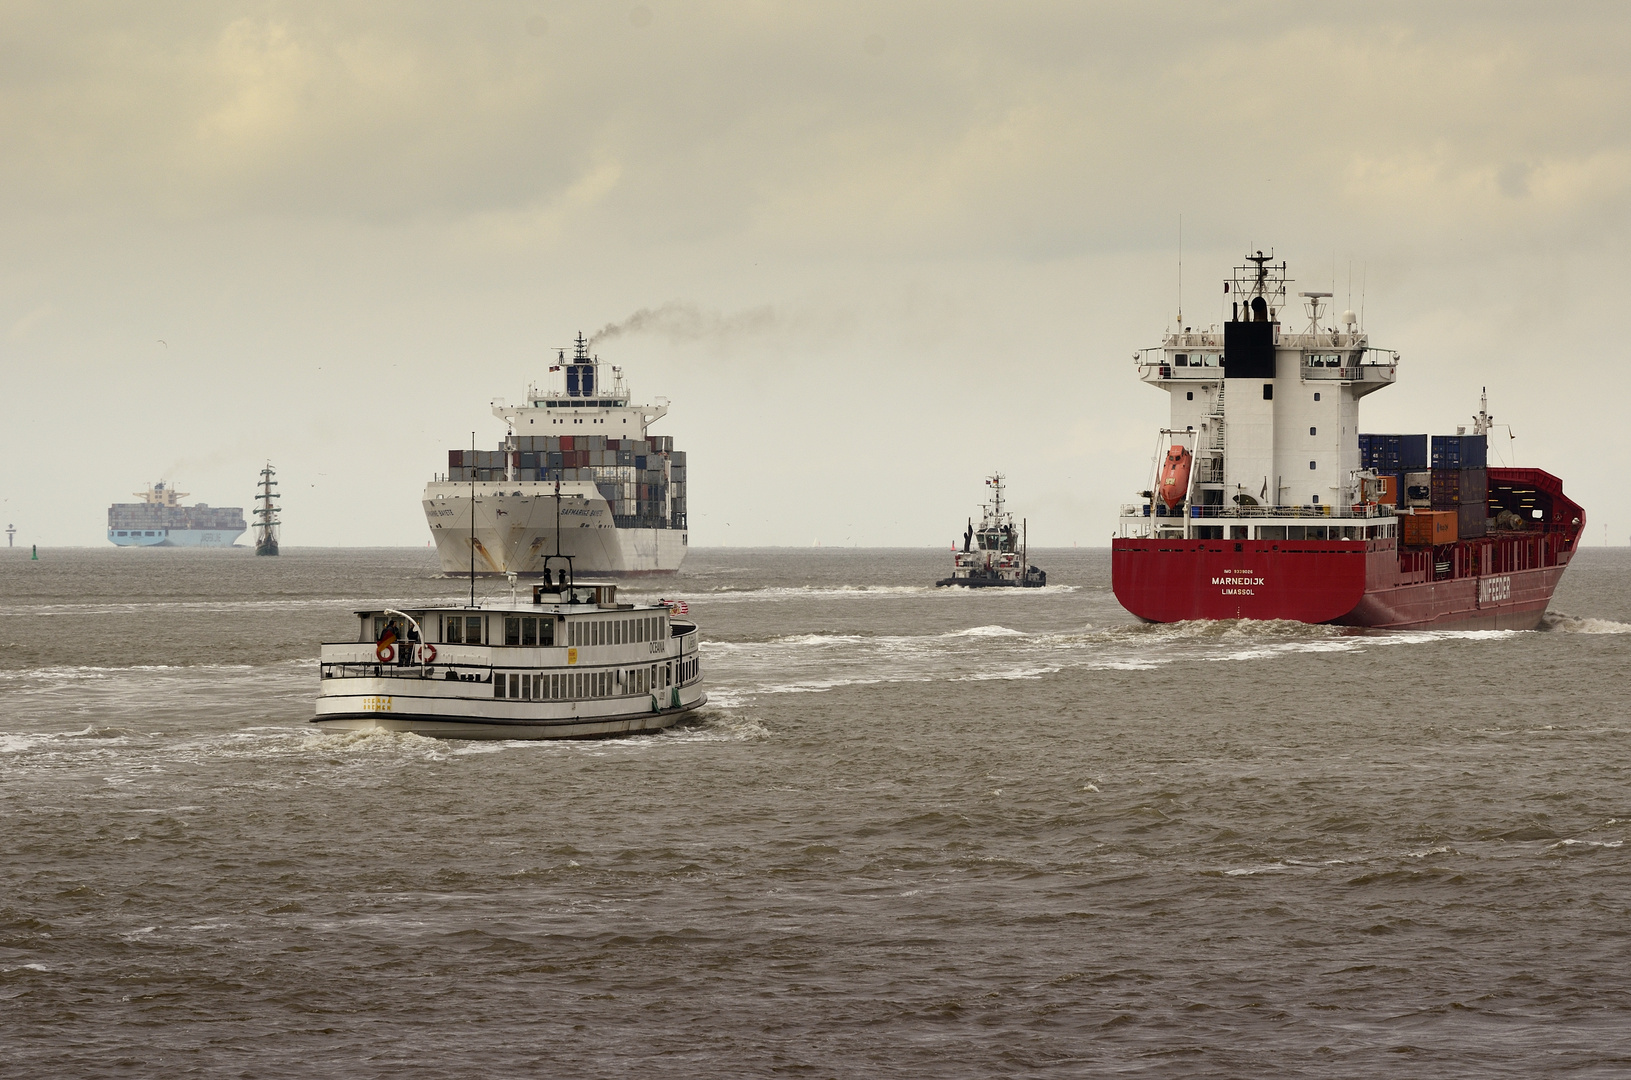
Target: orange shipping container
(1426,527)
(1382,489)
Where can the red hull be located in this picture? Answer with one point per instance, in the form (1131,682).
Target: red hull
(1351,582)
(1503,581)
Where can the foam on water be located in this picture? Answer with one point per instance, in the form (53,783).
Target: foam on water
(1558,622)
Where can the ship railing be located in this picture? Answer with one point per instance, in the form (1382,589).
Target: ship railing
(1198,510)
(1351,373)
(348,669)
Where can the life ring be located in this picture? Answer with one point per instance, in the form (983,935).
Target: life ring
(427,653)
(385,652)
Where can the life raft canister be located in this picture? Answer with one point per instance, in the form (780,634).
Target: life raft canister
(1174,485)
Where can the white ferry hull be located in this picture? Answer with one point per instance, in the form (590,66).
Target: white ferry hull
(516,532)
(378,704)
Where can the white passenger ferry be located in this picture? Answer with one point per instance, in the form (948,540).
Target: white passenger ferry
(573,663)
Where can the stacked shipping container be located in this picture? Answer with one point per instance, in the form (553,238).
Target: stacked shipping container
(1449,484)
(1460,482)
(643,480)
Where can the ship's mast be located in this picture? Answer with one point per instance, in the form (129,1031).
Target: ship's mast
(267,523)
(1483,421)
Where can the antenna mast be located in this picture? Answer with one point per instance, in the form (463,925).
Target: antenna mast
(472,521)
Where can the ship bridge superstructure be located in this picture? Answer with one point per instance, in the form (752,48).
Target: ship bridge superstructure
(580,402)
(1268,416)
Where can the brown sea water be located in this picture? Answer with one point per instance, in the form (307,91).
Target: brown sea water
(917,832)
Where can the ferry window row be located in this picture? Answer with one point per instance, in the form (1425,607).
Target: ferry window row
(462,629)
(613,631)
(537,631)
(529,630)
(583,685)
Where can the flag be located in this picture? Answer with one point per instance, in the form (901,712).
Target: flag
(676,607)
(389,635)
(554,367)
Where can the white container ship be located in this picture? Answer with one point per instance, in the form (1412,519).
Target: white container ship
(621,489)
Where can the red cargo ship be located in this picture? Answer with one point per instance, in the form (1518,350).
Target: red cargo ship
(1251,518)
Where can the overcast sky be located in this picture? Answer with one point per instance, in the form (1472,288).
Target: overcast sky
(891,247)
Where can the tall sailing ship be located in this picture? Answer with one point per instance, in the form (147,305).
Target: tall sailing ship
(622,490)
(1269,503)
(266,521)
(160,520)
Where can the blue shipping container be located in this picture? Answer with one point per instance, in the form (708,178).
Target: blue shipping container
(1460,452)
(1393,453)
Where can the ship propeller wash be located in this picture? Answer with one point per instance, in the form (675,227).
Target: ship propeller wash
(622,489)
(1267,502)
(995,555)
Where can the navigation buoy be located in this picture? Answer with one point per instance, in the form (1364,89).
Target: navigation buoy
(36,555)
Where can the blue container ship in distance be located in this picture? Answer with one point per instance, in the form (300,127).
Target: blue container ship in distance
(160,520)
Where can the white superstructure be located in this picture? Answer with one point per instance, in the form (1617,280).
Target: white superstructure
(579,453)
(1274,434)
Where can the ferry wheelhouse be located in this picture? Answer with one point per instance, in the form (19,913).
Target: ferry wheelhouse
(1261,505)
(572,663)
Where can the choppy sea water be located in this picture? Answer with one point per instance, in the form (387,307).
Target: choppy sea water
(916,833)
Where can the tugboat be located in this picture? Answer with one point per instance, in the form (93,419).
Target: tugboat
(994,555)
(265,523)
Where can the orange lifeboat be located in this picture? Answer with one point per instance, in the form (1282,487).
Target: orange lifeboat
(1174,486)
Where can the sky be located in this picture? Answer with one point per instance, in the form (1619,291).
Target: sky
(869,252)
